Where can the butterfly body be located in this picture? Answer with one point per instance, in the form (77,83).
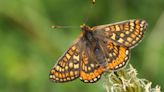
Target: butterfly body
(98,49)
(95,45)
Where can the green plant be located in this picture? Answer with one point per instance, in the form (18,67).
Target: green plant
(126,80)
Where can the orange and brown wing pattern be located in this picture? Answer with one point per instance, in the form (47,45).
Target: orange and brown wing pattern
(118,56)
(90,71)
(126,33)
(67,67)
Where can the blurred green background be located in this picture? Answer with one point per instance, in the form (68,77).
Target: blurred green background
(29,47)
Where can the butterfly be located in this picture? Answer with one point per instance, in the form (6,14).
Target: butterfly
(98,49)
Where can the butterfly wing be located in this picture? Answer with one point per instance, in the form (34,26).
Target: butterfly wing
(118,56)
(67,67)
(90,70)
(127,33)
(74,64)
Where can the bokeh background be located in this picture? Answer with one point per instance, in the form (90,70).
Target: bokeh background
(29,47)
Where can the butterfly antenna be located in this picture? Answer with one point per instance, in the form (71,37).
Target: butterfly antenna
(61,27)
(89,11)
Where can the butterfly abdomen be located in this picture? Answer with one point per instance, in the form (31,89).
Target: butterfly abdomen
(99,55)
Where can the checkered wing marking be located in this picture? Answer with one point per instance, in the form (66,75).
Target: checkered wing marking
(127,33)
(67,67)
(90,71)
(118,56)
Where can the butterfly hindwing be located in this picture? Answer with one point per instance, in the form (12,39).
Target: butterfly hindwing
(118,56)
(90,71)
(67,67)
(126,33)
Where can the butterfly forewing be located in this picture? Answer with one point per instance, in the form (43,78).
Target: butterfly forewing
(126,33)
(68,66)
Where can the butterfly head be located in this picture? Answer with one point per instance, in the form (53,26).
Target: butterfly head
(85,28)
